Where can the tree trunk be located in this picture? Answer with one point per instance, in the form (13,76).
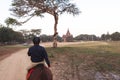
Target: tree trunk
(55,30)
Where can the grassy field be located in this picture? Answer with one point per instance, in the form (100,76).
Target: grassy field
(84,60)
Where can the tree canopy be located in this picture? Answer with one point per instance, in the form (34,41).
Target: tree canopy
(25,8)
(30,8)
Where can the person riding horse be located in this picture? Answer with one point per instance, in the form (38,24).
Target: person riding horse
(39,58)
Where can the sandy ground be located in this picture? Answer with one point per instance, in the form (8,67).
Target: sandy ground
(15,66)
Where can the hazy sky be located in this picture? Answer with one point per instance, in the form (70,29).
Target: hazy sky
(97,17)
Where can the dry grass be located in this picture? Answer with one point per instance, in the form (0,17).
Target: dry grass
(84,60)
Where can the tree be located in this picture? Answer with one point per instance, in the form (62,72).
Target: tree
(26,34)
(31,8)
(29,34)
(45,38)
(7,35)
(10,21)
(103,36)
(36,32)
(18,37)
(86,37)
(115,36)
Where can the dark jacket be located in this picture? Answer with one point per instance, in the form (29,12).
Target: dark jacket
(38,54)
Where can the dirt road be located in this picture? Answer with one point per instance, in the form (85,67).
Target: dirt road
(15,66)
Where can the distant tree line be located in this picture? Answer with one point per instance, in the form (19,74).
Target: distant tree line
(106,37)
(114,36)
(9,36)
(86,37)
(49,38)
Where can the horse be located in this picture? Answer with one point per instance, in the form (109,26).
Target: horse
(39,72)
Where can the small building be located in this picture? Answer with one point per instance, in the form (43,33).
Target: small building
(68,37)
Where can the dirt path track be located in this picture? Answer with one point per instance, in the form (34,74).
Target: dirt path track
(14,67)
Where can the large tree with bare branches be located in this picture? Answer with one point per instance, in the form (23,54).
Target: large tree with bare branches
(31,8)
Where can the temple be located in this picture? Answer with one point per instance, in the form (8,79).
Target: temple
(68,37)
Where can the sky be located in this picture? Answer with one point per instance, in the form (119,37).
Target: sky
(98,17)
